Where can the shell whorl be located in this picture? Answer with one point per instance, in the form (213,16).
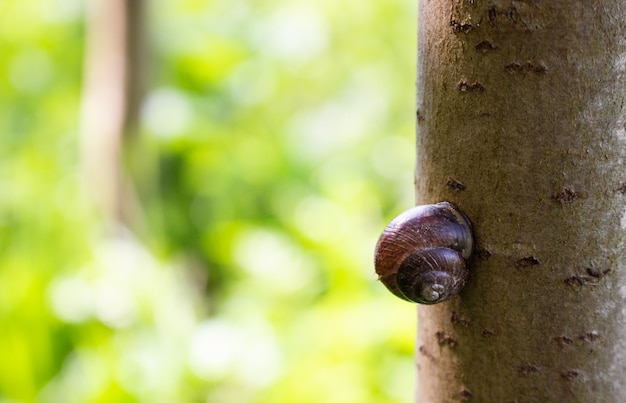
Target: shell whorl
(421,255)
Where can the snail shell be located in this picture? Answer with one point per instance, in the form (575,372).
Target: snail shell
(422,254)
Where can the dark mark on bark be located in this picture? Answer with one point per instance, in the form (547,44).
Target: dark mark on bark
(458,27)
(486,333)
(564,340)
(591,276)
(492,14)
(455,185)
(527,369)
(526,262)
(570,374)
(486,46)
(580,280)
(419,116)
(597,273)
(513,15)
(458,320)
(523,68)
(483,253)
(445,339)
(464,86)
(427,354)
(567,195)
(513,67)
(622,188)
(590,336)
(465,395)
(593,272)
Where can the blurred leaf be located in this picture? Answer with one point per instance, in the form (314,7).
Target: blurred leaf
(276,139)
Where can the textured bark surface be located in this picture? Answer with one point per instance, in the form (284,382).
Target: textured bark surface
(521,124)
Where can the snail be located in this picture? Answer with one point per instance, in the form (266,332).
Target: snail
(421,256)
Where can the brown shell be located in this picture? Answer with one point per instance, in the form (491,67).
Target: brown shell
(421,255)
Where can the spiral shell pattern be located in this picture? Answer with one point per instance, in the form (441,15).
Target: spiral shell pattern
(421,256)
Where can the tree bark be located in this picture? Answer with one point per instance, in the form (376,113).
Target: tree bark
(521,124)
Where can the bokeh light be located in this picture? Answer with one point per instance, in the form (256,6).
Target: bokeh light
(274,141)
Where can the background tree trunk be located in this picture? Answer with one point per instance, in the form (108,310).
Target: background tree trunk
(110,101)
(521,123)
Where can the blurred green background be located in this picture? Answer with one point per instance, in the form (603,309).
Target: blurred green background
(276,141)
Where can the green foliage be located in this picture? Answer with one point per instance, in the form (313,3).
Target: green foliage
(275,143)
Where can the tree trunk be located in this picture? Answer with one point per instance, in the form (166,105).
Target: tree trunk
(521,124)
(110,100)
